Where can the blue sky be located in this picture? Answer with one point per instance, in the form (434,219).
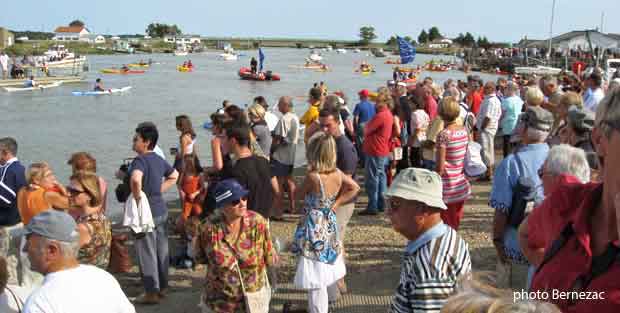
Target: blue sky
(332,19)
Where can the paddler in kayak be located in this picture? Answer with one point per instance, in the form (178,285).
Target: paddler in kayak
(189,64)
(125,68)
(30,82)
(98,85)
(254,65)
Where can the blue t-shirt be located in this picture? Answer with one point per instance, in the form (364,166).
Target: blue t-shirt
(365,110)
(154,170)
(511,109)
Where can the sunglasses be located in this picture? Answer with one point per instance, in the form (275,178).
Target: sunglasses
(75,192)
(236,202)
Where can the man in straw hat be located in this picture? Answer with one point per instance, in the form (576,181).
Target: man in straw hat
(436,257)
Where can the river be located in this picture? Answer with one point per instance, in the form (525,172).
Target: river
(52,124)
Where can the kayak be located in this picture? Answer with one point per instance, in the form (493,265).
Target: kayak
(246,73)
(184,68)
(145,65)
(119,71)
(97,93)
(39,87)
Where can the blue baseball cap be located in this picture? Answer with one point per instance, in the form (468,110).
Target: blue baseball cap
(227,191)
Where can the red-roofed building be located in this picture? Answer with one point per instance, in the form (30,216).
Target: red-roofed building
(71,33)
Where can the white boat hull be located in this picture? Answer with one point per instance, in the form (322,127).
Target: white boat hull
(67,62)
(538,70)
(315,57)
(40,87)
(97,93)
(180,53)
(229,57)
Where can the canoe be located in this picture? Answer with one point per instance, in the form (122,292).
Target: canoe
(119,71)
(39,87)
(184,68)
(138,65)
(97,93)
(246,73)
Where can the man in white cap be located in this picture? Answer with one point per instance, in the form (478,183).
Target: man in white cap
(69,287)
(436,257)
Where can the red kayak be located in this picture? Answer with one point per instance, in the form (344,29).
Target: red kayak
(246,73)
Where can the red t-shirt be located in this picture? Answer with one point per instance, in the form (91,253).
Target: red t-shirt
(546,221)
(557,277)
(474,100)
(431,107)
(377,133)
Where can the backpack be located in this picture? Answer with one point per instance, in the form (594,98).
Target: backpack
(600,263)
(523,196)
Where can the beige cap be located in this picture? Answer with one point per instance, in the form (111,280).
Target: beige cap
(419,185)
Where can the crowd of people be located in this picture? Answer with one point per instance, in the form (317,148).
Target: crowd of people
(417,146)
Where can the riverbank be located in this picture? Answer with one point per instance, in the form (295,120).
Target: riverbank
(373,249)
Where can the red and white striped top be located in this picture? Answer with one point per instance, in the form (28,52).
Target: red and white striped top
(456,187)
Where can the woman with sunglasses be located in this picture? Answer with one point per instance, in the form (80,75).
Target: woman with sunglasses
(42,192)
(235,243)
(93,226)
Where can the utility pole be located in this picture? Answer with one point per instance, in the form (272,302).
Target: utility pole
(551,31)
(602,20)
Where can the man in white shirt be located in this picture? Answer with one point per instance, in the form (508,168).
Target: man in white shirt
(4,63)
(69,287)
(594,94)
(487,124)
(285,138)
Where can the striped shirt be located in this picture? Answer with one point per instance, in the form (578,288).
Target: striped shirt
(456,187)
(430,272)
(491,108)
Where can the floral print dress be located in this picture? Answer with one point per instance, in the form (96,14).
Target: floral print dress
(253,250)
(97,251)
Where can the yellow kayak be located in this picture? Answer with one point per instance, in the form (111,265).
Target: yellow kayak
(184,68)
(138,65)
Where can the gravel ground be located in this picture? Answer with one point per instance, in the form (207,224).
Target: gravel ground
(373,254)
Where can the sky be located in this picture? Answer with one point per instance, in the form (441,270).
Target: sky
(499,21)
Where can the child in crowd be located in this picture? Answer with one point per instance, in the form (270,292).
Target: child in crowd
(192,184)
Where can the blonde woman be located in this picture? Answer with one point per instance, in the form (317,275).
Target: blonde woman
(256,114)
(42,193)
(450,157)
(93,226)
(320,266)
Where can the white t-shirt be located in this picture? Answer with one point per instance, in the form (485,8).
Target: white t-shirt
(4,61)
(492,108)
(288,128)
(271,120)
(85,288)
(8,303)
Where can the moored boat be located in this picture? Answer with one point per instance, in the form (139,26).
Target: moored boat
(120,71)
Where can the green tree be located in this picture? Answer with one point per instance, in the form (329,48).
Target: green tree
(161,30)
(76,23)
(469,40)
(433,33)
(392,41)
(460,39)
(423,37)
(483,42)
(367,34)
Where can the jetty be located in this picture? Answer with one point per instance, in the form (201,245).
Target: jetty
(42,79)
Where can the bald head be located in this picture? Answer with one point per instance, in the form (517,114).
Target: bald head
(285,104)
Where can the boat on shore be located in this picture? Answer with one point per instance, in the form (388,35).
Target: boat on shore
(538,70)
(58,56)
(38,87)
(99,93)
(247,74)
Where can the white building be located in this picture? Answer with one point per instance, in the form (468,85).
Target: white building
(183,39)
(577,40)
(94,39)
(440,43)
(71,33)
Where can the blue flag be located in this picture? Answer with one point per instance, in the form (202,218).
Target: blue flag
(407,51)
(261,58)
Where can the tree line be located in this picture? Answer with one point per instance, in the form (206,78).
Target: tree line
(367,35)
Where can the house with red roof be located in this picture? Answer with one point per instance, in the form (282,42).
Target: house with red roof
(71,33)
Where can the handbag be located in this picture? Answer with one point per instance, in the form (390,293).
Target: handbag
(257,301)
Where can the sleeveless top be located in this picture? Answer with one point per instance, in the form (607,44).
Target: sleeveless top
(316,236)
(97,251)
(31,202)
